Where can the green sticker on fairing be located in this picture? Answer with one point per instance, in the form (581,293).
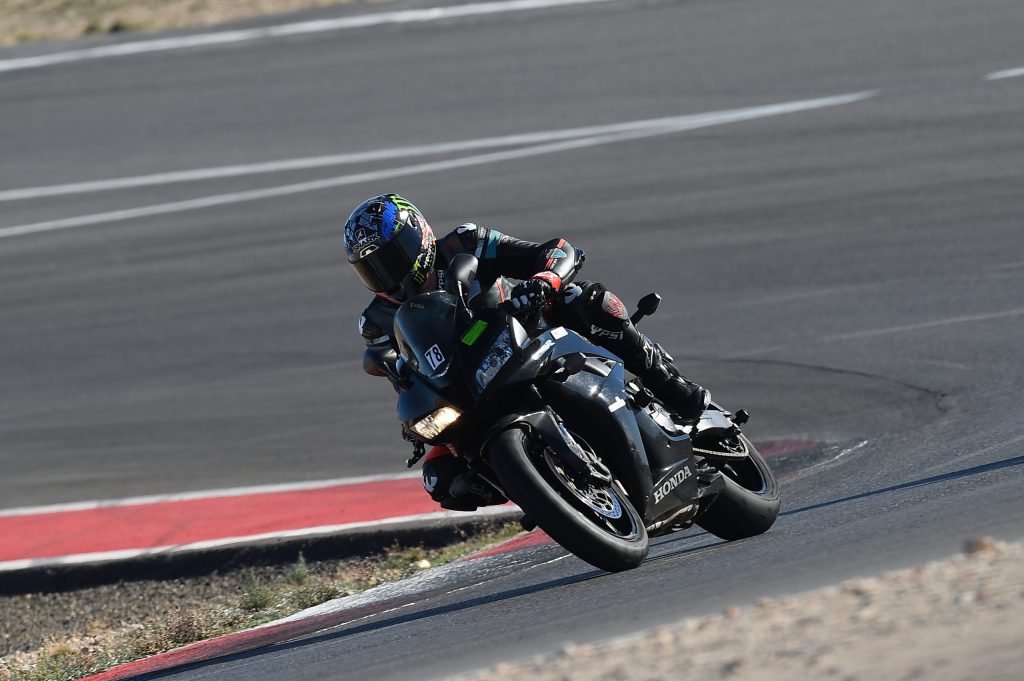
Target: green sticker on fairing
(474,332)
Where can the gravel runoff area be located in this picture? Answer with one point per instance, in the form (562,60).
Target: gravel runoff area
(130,619)
(33,20)
(27,621)
(956,619)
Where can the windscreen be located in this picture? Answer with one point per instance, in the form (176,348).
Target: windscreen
(425,331)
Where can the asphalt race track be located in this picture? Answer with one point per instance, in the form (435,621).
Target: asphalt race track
(848,273)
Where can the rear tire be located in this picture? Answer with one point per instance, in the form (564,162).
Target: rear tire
(750,502)
(562,514)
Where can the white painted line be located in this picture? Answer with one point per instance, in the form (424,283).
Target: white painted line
(1008,73)
(282,30)
(124,554)
(204,494)
(308,163)
(679,124)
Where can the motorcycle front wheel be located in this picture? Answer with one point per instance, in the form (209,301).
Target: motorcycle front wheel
(594,521)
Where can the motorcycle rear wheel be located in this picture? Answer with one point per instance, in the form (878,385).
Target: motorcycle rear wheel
(750,502)
(570,516)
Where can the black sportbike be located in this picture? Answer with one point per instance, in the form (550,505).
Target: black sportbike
(553,422)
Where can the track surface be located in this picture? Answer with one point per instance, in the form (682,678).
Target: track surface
(848,273)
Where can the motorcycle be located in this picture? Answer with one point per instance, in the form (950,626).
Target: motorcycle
(554,423)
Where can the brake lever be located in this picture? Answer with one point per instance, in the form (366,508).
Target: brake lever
(465,303)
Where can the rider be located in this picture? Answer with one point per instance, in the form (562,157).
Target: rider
(394,252)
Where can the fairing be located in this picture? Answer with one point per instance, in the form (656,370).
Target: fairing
(425,332)
(594,401)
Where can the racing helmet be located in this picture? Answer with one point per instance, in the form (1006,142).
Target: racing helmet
(391,246)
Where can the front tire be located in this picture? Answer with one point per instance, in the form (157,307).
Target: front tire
(535,485)
(750,502)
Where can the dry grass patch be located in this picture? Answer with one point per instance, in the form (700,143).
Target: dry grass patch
(32,20)
(248,599)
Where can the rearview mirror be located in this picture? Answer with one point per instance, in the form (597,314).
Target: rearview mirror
(379,361)
(461,270)
(648,305)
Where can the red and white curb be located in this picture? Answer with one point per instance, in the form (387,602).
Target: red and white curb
(97,532)
(103,531)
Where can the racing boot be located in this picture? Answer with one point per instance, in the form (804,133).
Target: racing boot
(661,377)
(652,365)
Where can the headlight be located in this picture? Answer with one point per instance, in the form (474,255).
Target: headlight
(495,359)
(433,425)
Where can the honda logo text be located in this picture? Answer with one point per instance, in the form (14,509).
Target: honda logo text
(664,488)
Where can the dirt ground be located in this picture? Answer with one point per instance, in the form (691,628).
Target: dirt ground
(953,620)
(24,21)
(31,620)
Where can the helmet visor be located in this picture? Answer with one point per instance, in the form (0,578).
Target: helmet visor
(383,270)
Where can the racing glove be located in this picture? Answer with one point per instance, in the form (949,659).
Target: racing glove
(532,294)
